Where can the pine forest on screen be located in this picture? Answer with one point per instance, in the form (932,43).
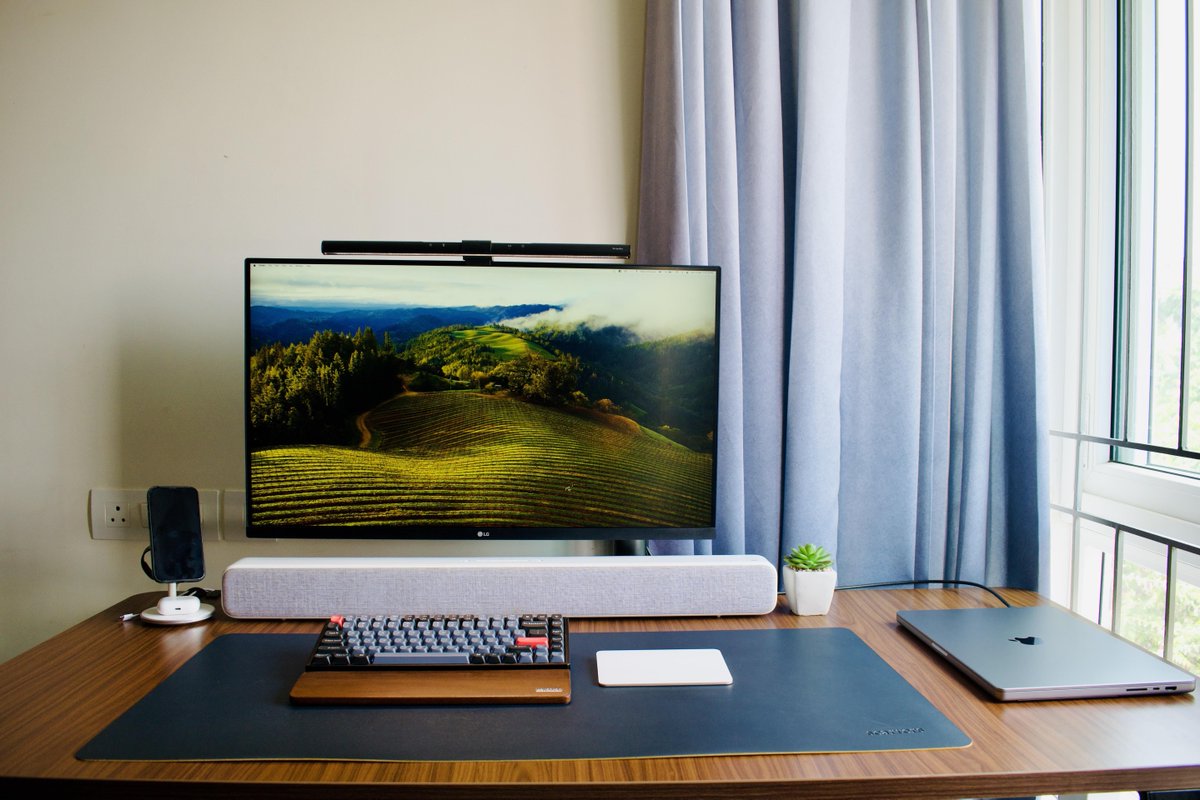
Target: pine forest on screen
(465,396)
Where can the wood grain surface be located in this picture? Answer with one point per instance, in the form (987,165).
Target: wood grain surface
(433,687)
(60,694)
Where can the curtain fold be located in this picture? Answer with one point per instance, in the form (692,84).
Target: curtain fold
(867,174)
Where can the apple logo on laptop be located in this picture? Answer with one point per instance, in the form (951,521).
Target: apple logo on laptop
(1026,640)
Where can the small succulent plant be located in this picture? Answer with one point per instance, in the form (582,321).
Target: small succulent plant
(809,557)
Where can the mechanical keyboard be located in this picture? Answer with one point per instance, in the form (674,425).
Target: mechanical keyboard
(438,658)
(417,640)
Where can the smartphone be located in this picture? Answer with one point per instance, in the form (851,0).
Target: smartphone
(176,548)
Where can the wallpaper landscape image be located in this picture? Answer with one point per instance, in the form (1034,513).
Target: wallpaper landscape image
(480,397)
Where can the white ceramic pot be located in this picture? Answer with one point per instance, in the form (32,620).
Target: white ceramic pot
(809,592)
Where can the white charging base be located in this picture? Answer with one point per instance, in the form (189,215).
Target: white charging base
(177,609)
(156,617)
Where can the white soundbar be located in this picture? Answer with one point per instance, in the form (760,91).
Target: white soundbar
(575,586)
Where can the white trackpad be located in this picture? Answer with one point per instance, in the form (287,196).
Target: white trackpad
(662,668)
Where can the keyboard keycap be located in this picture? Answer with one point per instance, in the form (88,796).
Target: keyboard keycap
(415,659)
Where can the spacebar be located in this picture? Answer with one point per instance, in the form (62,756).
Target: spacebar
(405,659)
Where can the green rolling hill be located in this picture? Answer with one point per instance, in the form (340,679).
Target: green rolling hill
(463,457)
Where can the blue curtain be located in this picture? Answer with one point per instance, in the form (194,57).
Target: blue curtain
(867,173)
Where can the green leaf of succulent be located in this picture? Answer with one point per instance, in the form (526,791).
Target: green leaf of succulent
(809,557)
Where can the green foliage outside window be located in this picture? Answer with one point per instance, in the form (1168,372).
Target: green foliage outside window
(1143,595)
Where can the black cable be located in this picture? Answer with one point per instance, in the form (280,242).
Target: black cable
(932,580)
(146,567)
(203,594)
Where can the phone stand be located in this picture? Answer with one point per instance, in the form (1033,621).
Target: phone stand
(177,609)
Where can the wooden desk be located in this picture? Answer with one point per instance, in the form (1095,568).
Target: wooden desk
(60,694)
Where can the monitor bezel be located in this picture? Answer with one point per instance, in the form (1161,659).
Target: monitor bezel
(431,532)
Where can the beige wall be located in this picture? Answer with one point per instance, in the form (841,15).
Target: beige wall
(147,148)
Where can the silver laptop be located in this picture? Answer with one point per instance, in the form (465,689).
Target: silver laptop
(1043,653)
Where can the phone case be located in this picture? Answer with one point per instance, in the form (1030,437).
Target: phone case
(176,546)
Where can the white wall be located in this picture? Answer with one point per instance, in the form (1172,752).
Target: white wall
(147,148)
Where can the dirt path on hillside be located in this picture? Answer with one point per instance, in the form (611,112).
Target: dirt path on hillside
(364,432)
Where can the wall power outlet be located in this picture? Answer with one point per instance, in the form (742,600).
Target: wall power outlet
(121,514)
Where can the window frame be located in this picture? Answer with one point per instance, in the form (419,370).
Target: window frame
(1144,181)
(1080,61)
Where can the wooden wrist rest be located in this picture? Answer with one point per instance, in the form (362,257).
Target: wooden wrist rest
(432,687)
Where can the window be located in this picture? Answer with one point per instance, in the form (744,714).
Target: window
(1125,316)
(1157,355)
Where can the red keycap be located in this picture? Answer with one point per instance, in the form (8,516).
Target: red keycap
(532,641)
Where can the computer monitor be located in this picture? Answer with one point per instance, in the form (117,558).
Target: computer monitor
(434,399)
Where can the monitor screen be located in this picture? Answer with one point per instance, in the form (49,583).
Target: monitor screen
(445,400)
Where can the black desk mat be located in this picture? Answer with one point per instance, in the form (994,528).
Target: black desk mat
(794,691)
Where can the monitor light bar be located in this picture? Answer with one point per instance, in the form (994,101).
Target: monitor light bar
(476,249)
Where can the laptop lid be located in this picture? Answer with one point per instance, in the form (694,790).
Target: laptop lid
(1043,653)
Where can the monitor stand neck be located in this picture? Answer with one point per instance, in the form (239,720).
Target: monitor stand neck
(630,547)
